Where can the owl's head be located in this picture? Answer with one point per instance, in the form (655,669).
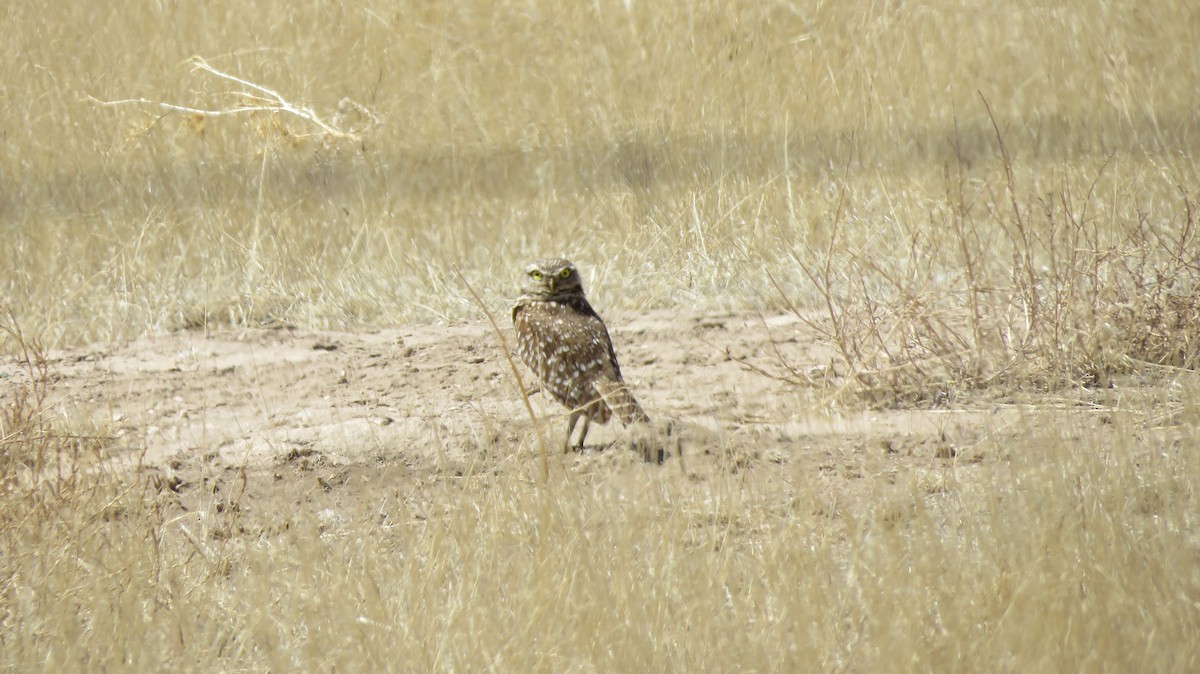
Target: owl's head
(551,278)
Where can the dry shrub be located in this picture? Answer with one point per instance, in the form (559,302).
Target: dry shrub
(1017,281)
(37,450)
(53,500)
(1156,312)
(83,557)
(46,467)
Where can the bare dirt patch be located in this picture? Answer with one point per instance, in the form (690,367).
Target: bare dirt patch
(273,419)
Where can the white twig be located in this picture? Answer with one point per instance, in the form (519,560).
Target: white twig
(269,101)
(184,108)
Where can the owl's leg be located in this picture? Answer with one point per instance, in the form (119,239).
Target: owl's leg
(587,420)
(574,417)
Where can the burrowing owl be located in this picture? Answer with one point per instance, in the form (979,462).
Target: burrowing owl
(566,345)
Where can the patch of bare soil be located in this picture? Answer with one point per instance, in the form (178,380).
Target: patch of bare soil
(285,419)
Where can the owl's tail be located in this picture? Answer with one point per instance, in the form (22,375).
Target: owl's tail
(624,406)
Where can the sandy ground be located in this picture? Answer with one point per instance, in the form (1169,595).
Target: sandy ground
(321,417)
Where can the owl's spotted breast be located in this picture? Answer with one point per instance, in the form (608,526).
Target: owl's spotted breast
(567,350)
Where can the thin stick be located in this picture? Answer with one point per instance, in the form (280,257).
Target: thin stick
(516,375)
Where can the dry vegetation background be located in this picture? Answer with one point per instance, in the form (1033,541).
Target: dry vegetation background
(964,201)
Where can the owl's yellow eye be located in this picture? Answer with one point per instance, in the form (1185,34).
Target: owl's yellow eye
(535,275)
(566,273)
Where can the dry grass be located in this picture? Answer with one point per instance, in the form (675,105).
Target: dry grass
(978,198)
(674,152)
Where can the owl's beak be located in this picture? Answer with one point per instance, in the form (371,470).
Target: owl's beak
(551,281)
